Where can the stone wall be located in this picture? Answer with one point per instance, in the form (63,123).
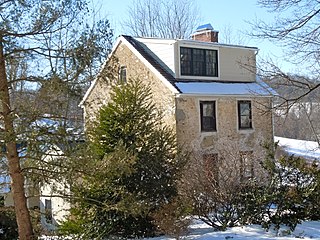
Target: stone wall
(228,140)
(136,69)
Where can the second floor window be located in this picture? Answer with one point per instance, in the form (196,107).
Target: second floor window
(123,74)
(208,116)
(198,62)
(244,115)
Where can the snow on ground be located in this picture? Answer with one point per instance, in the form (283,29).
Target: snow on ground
(307,230)
(302,148)
(201,231)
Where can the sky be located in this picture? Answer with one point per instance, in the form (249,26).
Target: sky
(222,15)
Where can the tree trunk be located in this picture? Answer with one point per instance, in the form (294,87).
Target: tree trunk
(17,178)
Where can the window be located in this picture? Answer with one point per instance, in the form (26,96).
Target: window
(48,210)
(246,165)
(244,115)
(198,62)
(123,74)
(211,165)
(208,116)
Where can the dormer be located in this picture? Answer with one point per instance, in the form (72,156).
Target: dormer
(207,61)
(203,58)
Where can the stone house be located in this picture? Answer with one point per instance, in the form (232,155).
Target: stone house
(208,91)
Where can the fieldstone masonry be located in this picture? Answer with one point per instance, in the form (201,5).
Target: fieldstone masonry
(162,96)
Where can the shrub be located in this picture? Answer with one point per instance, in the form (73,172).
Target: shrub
(292,193)
(173,219)
(286,192)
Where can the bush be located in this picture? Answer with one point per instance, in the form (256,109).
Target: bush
(286,192)
(173,219)
(292,193)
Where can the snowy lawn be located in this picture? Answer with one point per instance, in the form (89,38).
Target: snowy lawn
(300,148)
(306,230)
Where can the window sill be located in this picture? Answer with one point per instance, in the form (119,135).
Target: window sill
(208,133)
(245,130)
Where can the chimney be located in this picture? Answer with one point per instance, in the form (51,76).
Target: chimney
(205,33)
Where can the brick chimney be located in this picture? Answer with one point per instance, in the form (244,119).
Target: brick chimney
(205,33)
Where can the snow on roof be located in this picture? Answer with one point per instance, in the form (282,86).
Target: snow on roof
(223,88)
(300,148)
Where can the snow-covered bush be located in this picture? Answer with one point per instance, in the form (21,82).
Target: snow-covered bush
(292,193)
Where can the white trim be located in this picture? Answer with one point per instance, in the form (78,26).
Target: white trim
(202,44)
(198,100)
(86,95)
(178,73)
(244,130)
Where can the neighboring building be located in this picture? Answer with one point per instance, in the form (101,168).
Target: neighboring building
(54,205)
(208,92)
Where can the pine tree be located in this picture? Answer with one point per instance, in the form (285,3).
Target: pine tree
(133,170)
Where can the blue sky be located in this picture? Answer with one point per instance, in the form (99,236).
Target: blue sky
(232,14)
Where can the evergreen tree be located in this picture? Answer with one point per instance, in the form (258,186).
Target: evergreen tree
(133,170)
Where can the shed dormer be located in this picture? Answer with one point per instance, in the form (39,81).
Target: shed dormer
(203,58)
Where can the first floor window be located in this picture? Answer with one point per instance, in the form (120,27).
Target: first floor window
(211,165)
(244,114)
(246,165)
(208,116)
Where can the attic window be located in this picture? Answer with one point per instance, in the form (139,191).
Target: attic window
(198,62)
(123,74)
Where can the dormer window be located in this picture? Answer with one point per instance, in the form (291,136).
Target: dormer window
(198,62)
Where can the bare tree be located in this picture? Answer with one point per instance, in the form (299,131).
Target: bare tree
(296,29)
(229,35)
(165,19)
